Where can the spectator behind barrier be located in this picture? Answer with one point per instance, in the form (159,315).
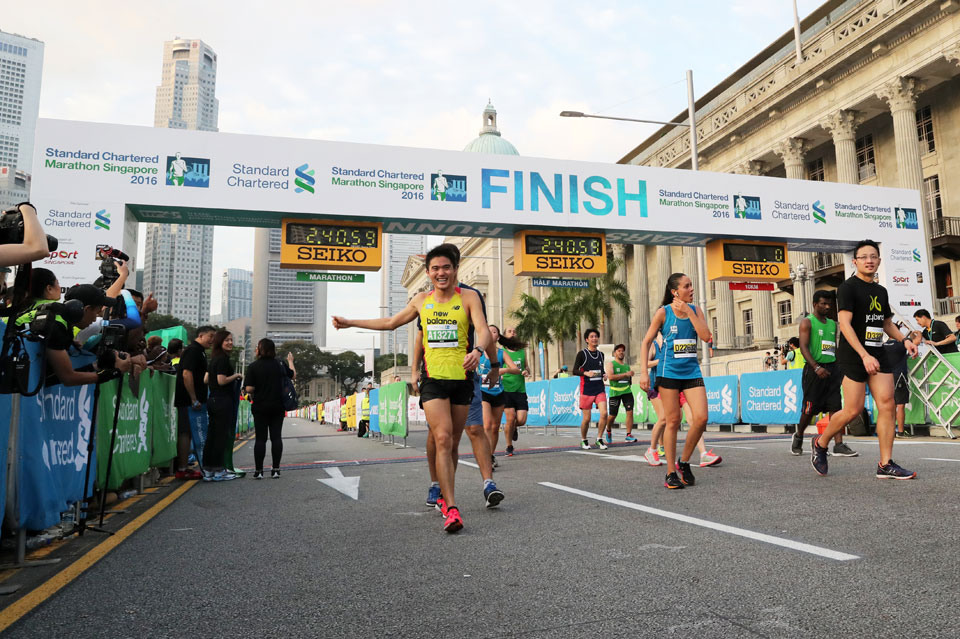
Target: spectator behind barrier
(34,246)
(174,350)
(221,403)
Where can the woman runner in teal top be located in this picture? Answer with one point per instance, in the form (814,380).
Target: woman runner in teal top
(681,324)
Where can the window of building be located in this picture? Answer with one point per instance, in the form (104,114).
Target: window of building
(925,131)
(714,329)
(815,170)
(932,204)
(866,158)
(785,312)
(748,321)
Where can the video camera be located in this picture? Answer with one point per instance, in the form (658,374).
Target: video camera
(120,315)
(108,257)
(11,228)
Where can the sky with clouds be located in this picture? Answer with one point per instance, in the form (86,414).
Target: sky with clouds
(410,73)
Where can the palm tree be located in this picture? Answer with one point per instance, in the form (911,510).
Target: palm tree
(533,323)
(563,305)
(597,302)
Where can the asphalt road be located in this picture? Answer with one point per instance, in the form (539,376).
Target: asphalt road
(847,555)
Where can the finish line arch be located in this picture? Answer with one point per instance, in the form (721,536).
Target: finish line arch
(93,182)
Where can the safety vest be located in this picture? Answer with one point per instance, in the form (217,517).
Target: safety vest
(25,318)
(365,409)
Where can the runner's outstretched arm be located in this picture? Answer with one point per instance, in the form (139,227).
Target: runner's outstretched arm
(407,315)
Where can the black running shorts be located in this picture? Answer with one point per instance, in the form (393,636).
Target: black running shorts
(679,384)
(458,391)
(494,400)
(516,400)
(821,395)
(613,404)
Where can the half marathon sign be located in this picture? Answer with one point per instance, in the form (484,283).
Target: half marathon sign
(561,282)
(348,278)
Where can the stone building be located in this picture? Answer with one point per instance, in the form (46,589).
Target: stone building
(875,101)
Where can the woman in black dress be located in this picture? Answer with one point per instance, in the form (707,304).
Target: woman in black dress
(264,382)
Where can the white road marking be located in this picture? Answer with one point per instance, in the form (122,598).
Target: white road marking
(708,445)
(633,458)
(349,486)
(538,447)
(939,459)
(463,461)
(741,532)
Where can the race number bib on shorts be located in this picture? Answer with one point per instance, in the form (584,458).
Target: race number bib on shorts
(683,348)
(873,336)
(828,348)
(443,335)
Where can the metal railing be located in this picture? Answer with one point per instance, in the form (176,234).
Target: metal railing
(948,305)
(823,261)
(747,364)
(944,227)
(742,341)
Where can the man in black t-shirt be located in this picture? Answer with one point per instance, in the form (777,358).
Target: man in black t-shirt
(935,332)
(191,393)
(863,317)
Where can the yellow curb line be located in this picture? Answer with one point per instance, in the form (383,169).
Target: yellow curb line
(28,602)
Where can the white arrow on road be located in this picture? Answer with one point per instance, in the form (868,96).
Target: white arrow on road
(349,486)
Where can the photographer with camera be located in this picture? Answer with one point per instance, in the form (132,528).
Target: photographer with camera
(22,239)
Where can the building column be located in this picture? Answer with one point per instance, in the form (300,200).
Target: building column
(762,300)
(726,317)
(641,301)
(842,126)
(793,151)
(619,328)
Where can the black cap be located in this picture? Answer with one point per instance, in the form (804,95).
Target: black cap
(89,294)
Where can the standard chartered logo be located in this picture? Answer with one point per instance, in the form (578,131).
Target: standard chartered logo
(726,400)
(819,215)
(304,179)
(103,220)
(789,396)
(916,255)
(542,407)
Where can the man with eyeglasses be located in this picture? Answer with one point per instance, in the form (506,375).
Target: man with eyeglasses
(863,316)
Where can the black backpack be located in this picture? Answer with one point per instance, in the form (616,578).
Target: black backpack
(288,394)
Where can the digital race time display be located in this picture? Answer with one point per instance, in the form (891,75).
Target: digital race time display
(563,245)
(754,253)
(334,245)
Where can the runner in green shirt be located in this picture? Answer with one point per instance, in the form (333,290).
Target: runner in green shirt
(515,393)
(619,375)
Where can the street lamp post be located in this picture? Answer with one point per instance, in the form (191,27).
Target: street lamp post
(694,165)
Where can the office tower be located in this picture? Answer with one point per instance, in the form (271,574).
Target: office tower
(393,297)
(283,308)
(21,68)
(236,299)
(178,263)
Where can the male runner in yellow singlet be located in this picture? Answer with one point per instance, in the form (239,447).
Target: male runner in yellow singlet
(445,313)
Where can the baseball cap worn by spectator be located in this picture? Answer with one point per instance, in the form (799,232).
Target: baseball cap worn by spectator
(89,294)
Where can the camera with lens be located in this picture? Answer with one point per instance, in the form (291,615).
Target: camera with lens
(11,228)
(108,257)
(42,322)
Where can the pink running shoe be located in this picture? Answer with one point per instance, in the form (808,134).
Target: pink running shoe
(454,522)
(442,505)
(652,457)
(709,459)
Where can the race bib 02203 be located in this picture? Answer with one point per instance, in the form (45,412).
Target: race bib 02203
(684,348)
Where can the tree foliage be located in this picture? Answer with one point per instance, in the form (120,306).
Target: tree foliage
(385,361)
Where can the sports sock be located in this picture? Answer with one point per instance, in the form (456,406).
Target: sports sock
(434,483)
(487,481)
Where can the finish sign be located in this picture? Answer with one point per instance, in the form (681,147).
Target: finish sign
(348,278)
(343,245)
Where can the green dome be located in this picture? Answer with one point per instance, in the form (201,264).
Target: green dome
(490,140)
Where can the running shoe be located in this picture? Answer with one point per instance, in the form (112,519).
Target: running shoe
(630,439)
(709,459)
(662,452)
(818,456)
(454,522)
(601,445)
(492,494)
(258,474)
(432,496)
(189,474)
(892,471)
(899,434)
(842,450)
(796,444)
(275,473)
(223,475)
(442,505)
(515,435)
(509,451)
(585,445)
(208,475)
(672,482)
(608,437)
(493,461)
(652,457)
(686,476)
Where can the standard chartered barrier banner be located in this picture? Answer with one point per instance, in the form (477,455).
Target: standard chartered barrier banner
(722,399)
(538,394)
(54,430)
(414,412)
(393,409)
(375,410)
(131,450)
(5,408)
(564,401)
(358,408)
(161,416)
(773,397)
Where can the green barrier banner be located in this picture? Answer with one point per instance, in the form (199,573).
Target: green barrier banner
(161,416)
(393,409)
(916,407)
(642,408)
(131,451)
(167,334)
